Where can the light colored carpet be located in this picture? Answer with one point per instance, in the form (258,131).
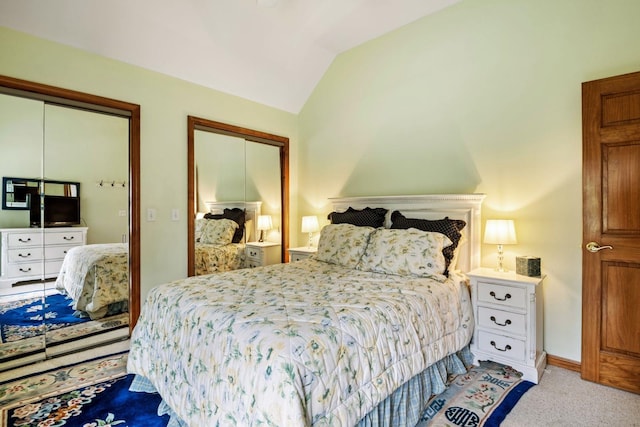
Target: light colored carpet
(563,399)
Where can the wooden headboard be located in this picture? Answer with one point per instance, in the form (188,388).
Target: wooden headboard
(252,210)
(431,206)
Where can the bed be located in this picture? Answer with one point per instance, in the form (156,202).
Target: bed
(221,234)
(352,336)
(96,278)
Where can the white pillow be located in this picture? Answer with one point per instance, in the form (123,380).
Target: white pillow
(409,252)
(343,244)
(218,231)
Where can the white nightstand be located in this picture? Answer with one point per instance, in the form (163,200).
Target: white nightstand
(508,309)
(262,253)
(303,252)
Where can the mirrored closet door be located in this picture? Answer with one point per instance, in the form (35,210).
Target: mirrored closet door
(241,175)
(69,278)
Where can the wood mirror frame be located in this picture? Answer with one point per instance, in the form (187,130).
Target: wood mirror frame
(195,123)
(96,103)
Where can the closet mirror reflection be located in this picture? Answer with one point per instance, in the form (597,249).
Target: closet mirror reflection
(69,276)
(240,175)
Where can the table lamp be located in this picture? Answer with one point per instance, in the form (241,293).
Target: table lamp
(500,232)
(264,223)
(310,225)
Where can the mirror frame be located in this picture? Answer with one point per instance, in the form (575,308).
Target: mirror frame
(196,123)
(71,98)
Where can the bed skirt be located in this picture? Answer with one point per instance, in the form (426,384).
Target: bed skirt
(404,406)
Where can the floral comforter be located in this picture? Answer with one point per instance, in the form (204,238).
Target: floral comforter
(298,344)
(218,258)
(95,276)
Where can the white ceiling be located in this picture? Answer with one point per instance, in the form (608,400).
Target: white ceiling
(270,51)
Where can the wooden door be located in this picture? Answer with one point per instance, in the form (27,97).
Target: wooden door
(611,229)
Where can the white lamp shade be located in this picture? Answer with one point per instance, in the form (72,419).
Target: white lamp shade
(264,222)
(500,232)
(310,224)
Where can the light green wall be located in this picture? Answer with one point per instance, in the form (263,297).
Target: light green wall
(482,97)
(21,123)
(220,168)
(88,148)
(165,104)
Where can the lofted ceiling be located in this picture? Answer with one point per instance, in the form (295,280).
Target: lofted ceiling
(270,51)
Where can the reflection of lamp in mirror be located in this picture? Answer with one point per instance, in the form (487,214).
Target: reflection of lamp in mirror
(500,232)
(264,223)
(310,225)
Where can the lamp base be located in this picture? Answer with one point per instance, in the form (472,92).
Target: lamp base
(500,267)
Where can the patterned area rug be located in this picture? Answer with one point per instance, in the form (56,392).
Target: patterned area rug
(26,318)
(22,394)
(481,397)
(96,393)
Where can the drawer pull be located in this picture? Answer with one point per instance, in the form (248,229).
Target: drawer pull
(506,297)
(507,347)
(25,270)
(507,322)
(67,238)
(25,256)
(27,240)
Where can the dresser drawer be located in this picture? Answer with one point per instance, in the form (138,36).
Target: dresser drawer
(501,345)
(21,240)
(509,296)
(56,252)
(508,322)
(52,268)
(64,238)
(29,254)
(26,269)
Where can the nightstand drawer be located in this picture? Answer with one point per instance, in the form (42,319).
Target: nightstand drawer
(501,346)
(512,323)
(259,254)
(298,257)
(510,296)
(254,253)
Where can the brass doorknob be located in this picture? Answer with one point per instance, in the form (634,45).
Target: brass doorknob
(594,247)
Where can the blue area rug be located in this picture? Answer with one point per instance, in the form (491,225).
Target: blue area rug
(481,397)
(107,403)
(25,318)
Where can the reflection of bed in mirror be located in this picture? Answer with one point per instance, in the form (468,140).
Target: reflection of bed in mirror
(96,278)
(221,233)
(89,296)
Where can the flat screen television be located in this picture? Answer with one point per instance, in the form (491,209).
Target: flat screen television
(59,211)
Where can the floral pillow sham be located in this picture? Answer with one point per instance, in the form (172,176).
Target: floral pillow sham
(343,244)
(408,252)
(218,231)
